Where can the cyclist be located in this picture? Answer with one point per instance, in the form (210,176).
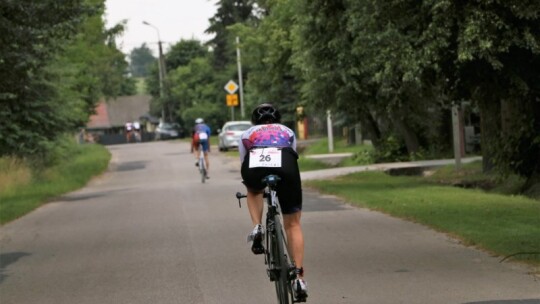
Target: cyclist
(137,131)
(129,129)
(269,136)
(201,134)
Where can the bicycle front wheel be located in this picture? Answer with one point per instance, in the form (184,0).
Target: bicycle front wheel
(281,265)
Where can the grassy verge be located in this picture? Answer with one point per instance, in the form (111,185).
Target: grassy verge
(140,85)
(305,164)
(501,224)
(360,157)
(320,146)
(32,189)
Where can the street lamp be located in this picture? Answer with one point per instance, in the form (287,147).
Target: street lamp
(162,71)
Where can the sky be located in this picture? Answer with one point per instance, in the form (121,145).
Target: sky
(173,20)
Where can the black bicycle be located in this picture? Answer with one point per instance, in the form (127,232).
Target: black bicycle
(280,266)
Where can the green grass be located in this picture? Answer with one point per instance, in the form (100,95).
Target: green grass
(501,224)
(320,146)
(72,173)
(471,176)
(362,154)
(140,85)
(305,164)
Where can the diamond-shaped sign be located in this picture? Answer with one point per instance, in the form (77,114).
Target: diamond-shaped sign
(231,87)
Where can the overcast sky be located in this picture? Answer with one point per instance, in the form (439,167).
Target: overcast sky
(174,19)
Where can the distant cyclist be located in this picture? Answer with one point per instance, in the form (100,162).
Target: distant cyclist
(201,134)
(269,137)
(129,129)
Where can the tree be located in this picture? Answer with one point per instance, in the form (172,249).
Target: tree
(32,35)
(179,55)
(140,61)
(229,12)
(57,60)
(497,52)
(182,52)
(267,48)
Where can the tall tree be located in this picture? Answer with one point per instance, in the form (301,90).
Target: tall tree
(32,35)
(229,12)
(56,61)
(498,58)
(179,55)
(141,59)
(267,49)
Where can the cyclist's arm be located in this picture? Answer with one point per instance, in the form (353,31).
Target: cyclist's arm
(241,150)
(292,140)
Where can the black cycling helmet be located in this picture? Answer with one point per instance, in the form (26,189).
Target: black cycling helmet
(265,113)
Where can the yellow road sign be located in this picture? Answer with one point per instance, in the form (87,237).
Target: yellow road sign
(232,100)
(231,87)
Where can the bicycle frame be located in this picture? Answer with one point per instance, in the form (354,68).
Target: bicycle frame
(279,263)
(202,164)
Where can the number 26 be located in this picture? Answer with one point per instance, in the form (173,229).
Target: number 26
(263,158)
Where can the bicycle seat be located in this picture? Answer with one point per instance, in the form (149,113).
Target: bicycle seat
(271,180)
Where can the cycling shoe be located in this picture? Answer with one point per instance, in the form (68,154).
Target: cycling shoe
(257,236)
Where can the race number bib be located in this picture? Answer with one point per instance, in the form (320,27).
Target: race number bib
(203,136)
(265,157)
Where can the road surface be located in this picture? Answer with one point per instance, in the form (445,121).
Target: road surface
(148,231)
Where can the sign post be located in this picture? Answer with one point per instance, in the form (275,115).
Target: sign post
(232,99)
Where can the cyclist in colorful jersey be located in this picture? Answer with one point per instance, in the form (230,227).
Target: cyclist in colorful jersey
(201,134)
(268,137)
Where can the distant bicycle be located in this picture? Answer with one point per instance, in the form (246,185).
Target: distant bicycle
(202,165)
(279,264)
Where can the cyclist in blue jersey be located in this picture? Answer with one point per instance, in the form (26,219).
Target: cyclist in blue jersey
(201,134)
(270,148)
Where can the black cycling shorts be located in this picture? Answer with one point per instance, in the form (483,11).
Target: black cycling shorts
(289,189)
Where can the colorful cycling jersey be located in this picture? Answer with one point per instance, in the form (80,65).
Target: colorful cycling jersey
(202,128)
(270,135)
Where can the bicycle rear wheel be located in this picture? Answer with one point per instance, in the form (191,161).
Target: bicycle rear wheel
(202,170)
(281,265)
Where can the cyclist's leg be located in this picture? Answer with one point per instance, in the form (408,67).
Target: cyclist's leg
(206,148)
(255,188)
(289,192)
(295,243)
(252,179)
(295,237)
(195,149)
(255,206)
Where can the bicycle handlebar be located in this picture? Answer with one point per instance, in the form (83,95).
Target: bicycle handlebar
(270,180)
(240,196)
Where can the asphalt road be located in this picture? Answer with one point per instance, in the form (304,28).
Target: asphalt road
(148,231)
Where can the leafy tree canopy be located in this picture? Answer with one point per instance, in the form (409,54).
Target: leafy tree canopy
(141,59)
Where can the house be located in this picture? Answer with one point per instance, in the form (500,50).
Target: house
(107,125)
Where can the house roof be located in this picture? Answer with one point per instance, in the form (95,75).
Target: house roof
(116,112)
(100,119)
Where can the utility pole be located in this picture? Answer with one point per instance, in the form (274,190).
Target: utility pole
(456,134)
(162,72)
(242,113)
(330,131)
